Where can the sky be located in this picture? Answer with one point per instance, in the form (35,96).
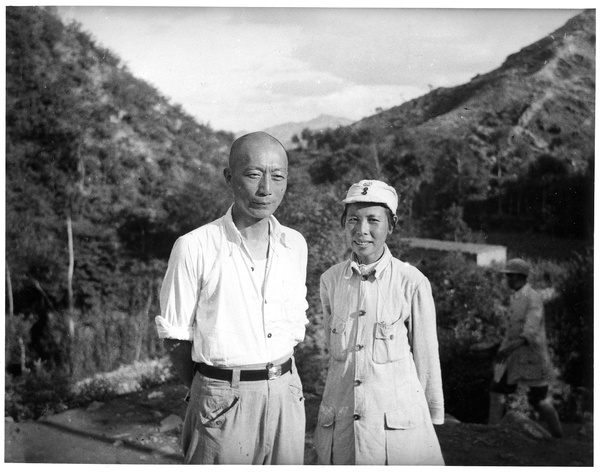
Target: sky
(245,69)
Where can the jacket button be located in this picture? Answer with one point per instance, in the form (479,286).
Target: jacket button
(358,347)
(334,330)
(391,336)
(357,383)
(362,313)
(269,335)
(356,417)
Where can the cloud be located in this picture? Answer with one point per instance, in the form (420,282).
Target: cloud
(308,87)
(410,46)
(251,68)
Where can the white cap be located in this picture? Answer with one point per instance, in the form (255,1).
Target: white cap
(373,191)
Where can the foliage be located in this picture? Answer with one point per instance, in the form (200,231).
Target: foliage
(86,140)
(17,336)
(126,379)
(36,393)
(43,392)
(571,322)
(470,306)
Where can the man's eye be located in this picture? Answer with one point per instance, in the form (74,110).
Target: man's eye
(278,177)
(253,176)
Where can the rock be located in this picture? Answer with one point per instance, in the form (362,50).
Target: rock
(94,406)
(587,430)
(167,450)
(449,419)
(170,423)
(531,428)
(156,394)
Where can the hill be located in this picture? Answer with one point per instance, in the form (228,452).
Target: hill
(480,145)
(100,158)
(541,98)
(286,131)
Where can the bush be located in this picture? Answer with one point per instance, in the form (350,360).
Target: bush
(36,393)
(42,392)
(570,317)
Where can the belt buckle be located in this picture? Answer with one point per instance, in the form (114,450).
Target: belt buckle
(273,371)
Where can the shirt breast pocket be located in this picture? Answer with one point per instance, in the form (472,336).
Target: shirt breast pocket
(388,345)
(338,339)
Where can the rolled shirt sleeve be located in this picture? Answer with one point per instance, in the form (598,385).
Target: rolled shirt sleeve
(179,292)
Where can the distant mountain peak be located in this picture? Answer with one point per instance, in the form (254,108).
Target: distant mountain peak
(285,131)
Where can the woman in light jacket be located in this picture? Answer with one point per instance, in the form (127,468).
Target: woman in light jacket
(384,390)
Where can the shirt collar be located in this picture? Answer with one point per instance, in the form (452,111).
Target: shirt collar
(352,267)
(521,291)
(277,236)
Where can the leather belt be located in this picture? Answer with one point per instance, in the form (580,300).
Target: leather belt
(270,372)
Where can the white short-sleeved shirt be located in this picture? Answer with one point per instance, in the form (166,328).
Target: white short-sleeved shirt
(210,297)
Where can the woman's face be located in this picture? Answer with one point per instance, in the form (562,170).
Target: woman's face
(366,229)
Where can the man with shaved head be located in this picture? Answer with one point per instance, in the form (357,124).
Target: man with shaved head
(233,308)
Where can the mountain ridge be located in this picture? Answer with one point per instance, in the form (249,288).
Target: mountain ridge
(286,131)
(558,67)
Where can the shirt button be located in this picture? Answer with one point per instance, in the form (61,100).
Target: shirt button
(356,417)
(357,383)
(269,335)
(362,312)
(365,277)
(391,336)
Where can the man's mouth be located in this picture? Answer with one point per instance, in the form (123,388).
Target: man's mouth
(362,243)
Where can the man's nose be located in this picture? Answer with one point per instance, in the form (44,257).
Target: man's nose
(265,185)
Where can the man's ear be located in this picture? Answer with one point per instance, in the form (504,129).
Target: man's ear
(227,174)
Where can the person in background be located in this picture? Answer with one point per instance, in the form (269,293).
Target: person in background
(383,391)
(233,308)
(523,357)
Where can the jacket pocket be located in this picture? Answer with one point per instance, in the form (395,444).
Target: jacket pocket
(387,344)
(324,435)
(338,340)
(401,419)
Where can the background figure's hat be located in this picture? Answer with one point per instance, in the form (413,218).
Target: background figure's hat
(516,266)
(373,191)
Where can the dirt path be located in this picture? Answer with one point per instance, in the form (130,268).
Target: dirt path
(144,428)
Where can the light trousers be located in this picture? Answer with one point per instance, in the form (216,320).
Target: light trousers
(255,422)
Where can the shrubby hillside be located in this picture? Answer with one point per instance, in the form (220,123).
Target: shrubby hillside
(99,157)
(513,148)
